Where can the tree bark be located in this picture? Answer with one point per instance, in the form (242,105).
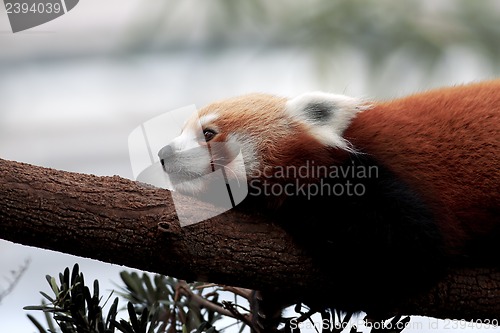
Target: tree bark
(128,223)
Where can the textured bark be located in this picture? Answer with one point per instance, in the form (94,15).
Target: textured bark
(124,222)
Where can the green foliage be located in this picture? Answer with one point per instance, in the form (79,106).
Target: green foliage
(73,307)
(162,304)
(152,307)
(168,296)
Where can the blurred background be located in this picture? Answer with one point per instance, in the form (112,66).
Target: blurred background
(72,90)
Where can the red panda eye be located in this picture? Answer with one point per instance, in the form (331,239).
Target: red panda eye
(209,134)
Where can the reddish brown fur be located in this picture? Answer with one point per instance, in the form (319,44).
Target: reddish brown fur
(445,144)
(279,139)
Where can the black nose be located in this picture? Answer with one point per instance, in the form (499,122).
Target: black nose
(165,153)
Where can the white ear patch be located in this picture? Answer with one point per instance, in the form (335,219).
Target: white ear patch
(327,115)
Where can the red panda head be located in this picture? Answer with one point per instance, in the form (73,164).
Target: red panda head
(271,132)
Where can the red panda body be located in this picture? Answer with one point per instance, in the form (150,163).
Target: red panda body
(446,145)
(434,198)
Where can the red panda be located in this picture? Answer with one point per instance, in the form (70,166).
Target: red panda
(426,167)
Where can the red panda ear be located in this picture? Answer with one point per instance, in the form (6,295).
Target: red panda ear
(326,115)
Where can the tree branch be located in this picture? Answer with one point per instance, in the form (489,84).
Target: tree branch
(124,222)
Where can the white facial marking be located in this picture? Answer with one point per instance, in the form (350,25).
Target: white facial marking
(208,118)
(184,142)
(190,159)
(191,133)
(247,145)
